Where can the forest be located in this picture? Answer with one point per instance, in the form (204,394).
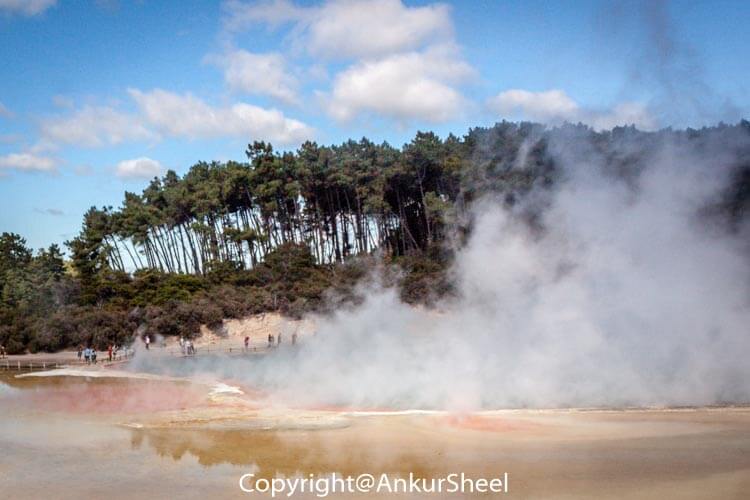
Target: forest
(295,231)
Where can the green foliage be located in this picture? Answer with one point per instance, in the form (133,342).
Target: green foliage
(13,255)
(296,231)
(424,276)
(157,288)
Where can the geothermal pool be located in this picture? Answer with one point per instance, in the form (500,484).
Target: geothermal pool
(116,434)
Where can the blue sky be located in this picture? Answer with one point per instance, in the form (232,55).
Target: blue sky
(98,96)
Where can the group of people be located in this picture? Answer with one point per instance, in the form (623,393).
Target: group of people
(89,354)
(278,340)
(187,347)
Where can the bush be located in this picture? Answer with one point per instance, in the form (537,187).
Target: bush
(164,304)
(425,278)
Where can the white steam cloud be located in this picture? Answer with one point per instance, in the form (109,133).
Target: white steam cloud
(555,107)
(625,297)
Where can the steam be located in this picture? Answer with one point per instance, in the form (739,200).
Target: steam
(622,295)
(667,66)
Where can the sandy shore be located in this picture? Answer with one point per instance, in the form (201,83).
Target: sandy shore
(228,340)
(256,327)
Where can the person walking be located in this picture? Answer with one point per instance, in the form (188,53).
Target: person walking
(247,343)
(147,340)
(80,352)
(270,340)
(109,353)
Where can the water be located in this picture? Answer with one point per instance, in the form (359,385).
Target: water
(77,437)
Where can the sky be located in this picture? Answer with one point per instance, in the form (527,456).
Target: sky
(99,96)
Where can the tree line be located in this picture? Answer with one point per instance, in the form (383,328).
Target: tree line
(277,231)
(340,201)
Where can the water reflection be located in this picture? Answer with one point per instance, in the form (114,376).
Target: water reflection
(349,451)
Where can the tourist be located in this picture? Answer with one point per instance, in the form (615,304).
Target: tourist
(87,355)
(2,351)
(270,340)
(93,356)
(80,352)
(147,340)
(278,340)
(247,343)
(109,352)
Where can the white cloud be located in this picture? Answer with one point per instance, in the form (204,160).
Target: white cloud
(95,126)
(187,116)
(405,64)
(264,74)
(627,113)
(161,113)
(404,87)
(544,106)
(26,7)
(369,28)
(349,29)
(138,168)
(555,107)
(27,162)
